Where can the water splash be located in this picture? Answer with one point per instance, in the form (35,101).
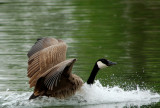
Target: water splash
(88,96)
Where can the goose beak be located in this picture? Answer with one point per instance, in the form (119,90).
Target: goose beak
(111,63)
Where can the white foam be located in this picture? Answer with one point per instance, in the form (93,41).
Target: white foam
(89,96)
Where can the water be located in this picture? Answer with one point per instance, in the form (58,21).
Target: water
(124,31)
(100,96)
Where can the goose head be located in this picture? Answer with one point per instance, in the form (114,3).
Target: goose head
(103,63)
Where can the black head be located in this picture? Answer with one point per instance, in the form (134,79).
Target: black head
(102,63)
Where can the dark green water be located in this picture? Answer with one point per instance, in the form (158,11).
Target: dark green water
(124,31)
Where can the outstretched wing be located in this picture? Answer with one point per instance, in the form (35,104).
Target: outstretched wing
(56,74)
(41,44)
(46,53)
(58,81)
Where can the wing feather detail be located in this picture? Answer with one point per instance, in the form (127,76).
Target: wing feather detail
(53,76)
(41,44)
(46,53)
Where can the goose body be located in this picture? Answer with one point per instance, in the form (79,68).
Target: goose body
(50,73)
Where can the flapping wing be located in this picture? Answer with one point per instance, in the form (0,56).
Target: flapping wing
(41,44)
(55,75)
(46,53)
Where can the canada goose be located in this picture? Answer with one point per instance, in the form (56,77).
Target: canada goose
(50,73)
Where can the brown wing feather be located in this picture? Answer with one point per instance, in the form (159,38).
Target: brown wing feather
(41,44)
(58,81)
(54,76)
(44,59)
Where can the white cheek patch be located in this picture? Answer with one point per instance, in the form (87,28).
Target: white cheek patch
(101,65)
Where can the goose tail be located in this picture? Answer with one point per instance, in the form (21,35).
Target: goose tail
(32,96)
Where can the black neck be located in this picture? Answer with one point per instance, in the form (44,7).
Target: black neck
(93,74)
